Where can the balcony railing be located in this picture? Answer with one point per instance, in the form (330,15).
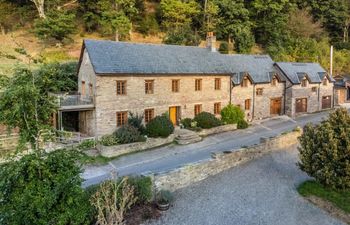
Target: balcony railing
(68,101)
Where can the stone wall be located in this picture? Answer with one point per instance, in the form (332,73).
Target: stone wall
(195,172)
(108,103)
(261,103)
(314,99)
(217,130)
(118,150)
(87,120)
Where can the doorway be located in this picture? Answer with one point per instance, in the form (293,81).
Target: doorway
(174,114)
(275,106)
(326,102)
(301,105)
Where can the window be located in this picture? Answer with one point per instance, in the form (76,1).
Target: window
(90,89)
(149,115)
(198,84)
(247,104)
(175,85)
(217,108)
(149,85)
(259,91)
(274,81)
(314,89)
(122,118)
(245,82)
(83,88)
(121,87)
(304,82)
(217,83)
(197,109)
(325,81)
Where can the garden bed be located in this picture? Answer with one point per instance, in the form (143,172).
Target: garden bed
(118,150)
(217,130)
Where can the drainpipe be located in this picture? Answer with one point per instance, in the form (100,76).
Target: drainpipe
(253,110)
(318,93)
(230,91)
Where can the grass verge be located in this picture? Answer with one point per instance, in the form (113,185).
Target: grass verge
(340,198)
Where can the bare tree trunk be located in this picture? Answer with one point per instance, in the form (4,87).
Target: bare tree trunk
(2,29)
(116,35)
(39,4)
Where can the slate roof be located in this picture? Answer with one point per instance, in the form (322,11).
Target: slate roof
(260,68)
(110,58)
(298,71)
(341,81)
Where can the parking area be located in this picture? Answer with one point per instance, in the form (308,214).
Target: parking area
(260,192)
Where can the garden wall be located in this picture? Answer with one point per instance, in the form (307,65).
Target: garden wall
(117,150)
(217,130)
(195,172)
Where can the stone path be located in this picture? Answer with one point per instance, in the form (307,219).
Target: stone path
(173,156)
(261,192)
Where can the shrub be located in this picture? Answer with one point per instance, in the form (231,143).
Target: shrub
(108,140)
(87,144)
(135,120)
(207,120)
(164,197)
(43,189)
(223,47)
(186,122)
(324,150)
(242,124)
(143,188)
(232,114)
(128,134)
(112,200)
(159,126)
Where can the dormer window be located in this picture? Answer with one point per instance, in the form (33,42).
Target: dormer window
(325,81)
(304,82)
(274,81)
(245,82)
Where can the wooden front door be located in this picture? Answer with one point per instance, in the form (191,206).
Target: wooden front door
(173,114)
(326,102)
(301,105)
(276,106)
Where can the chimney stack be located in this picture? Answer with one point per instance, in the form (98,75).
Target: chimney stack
(211,41)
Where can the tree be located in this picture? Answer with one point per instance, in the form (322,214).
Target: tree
(7,15)
(211,19)
(301,24)
(178,13)
(57,25)
(235,24)
(324,150)
(270,19)
(40,189)
(40,6)
(116,17)
(334,15)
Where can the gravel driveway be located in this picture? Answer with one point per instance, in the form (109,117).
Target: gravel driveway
(260,192)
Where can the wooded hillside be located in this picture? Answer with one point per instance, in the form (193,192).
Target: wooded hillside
(288,30)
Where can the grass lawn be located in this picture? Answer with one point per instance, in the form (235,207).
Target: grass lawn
(340,199)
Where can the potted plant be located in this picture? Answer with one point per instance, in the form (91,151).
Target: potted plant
(163,200)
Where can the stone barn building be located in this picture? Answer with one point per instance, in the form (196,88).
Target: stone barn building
(116,78)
